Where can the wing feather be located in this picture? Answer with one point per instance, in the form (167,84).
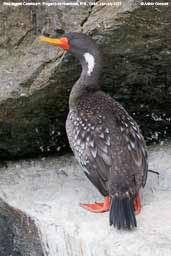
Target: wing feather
(134,141)
(92,145)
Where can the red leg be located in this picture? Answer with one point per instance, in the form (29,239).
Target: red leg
(98,207)
(137,204)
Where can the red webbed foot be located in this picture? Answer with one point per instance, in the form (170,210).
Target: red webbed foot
(98,207)
(137,204)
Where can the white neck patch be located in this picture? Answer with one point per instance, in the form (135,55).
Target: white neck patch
(90,61)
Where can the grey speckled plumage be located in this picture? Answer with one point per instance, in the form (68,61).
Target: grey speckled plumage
(108,144)
(105,140)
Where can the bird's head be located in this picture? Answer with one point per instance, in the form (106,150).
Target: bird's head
(81,46)
(77,43)
(74,42)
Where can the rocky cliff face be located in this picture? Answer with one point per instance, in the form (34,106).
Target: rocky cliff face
(19,235)
(35,79)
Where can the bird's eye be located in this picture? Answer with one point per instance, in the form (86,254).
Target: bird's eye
(69,36)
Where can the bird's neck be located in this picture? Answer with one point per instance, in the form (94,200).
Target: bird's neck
(89,81)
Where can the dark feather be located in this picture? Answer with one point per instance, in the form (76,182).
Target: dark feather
(108,145)
(96,141)
(133,140)
(122,213)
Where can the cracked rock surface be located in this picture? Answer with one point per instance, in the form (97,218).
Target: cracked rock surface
(40,213)
(35,79)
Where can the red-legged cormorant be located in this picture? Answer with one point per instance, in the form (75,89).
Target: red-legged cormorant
(105,139)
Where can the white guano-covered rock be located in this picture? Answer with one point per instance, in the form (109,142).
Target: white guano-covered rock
(49,191)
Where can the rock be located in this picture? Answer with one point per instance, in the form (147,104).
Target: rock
(35,79)
(34,88)
(18,233)
(47,192)
(137,51)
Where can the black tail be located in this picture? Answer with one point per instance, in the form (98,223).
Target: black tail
(122,213)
